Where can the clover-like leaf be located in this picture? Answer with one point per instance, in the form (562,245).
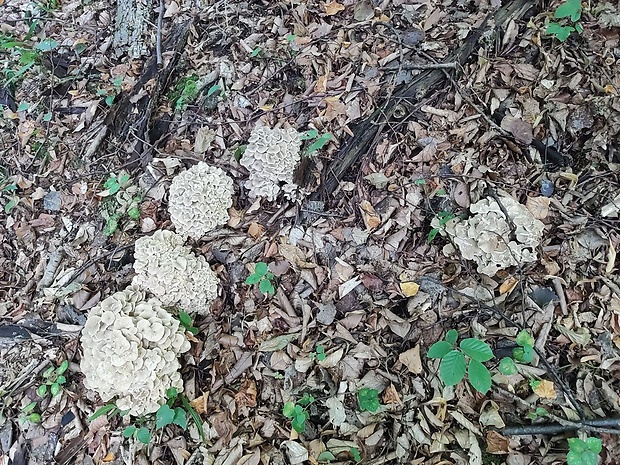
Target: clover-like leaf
(452,336)
(507,366)
(55,389)
(570,8)
(476,349)
(42,390)
(261,268)
(144,435)
(180,418)
(288,410)
(299,423)
(559,31)
(479,376)
(595,445)
(368,399)
(525,339)
(63,367)
(452,367)
(129,431)
(266,287)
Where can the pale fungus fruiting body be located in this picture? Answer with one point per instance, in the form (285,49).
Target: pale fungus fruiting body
(271,158)
(199,200)
(130,351)
(486,236)
(173,273)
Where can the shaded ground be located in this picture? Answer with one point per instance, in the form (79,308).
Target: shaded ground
(77,109)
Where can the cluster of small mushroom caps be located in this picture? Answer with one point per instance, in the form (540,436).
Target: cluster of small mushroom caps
(132,342)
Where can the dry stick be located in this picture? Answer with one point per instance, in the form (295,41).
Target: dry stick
(562,425)
(494,310)
(160,20)
(83,268)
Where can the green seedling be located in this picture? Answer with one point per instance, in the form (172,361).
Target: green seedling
(185,92)
(256,52)
(319,143)
(186,322)
(29,413)
(53,380)
(583,452)
(524,353)
(8,188)
(319,353)
(114,206)
(569,14)
(297,412)
(539,412)
(263,277)
(368,399)
(110,94)
(443,216)
(467,358)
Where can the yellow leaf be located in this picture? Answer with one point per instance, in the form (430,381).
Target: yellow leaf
(256,230)
(332,8)
(409,289)
(508,285)
(545,389)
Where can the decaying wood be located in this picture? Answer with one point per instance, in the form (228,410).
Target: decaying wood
(367,134)
(130,26)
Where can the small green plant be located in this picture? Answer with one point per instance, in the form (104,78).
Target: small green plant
(524,353)
(263,277)
(297,412)
(120,198)
(110,94)
(443,216)
(186,322)
(569,12)
(29,413)
(8,188)
(319,353)
(256,52)
(53,380)
(319,143)
(368,399)
(185,92)
(582,452)
(467,358)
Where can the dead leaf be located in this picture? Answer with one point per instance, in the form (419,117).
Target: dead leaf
(497,444)
(332,8)
(521,130)
(412,360)
(461,195)
(246,397)
(204,137)
(538,206)
(544,389)
(256,230)
(508,285)
(391,396)
(335,108)
(409,289)
(371,218)
(363,11)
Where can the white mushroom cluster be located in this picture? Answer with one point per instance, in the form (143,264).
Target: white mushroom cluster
(170,271)
(486,237)
(271,157)
(131,348)
(199,200)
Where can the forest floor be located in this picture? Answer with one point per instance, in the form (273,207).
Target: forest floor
(364,277)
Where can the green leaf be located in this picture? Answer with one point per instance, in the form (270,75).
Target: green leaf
(524,339)
(144,435)
(111,225)
(61,380)
(172,393)
(185,319)
(560,32)
(46,45)
(419,182)
(180,418)
(47,373)
(534,384)
(320,349)
(579,27)
(9,206)
(55,389)
(47,117)
(109,100)
(452,368)
(134,212)
(476,349)
(239,151)
(102,411)
(253,278)
(195,417)
(299,423)
(570,8)
(129,431)
(326,456)
(261,268)
(432,234)
(355,452)
(164,416)
(523,354)
(288,410)
(42,390)
(213,89)
(256,51)
(319,143)
(29,408)
(368,399)
(34,418)
(320,357)
(309,134)
(63,367)
(266,287)
(452,336)
(439,349)
(589,458)
(479,376)
(306,399)
(507,366)
(595,445)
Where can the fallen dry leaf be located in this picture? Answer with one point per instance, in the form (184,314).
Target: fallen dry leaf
(412,360)
(256,230)
(332,8)
(508,285)
(371,218)
(246,397)
(538,206)
(544,389)
(409,289)
(497,444)
(391,396)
